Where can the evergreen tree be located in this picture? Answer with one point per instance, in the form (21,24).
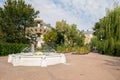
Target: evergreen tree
(15,16)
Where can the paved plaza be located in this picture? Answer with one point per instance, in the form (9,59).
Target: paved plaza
(91,66)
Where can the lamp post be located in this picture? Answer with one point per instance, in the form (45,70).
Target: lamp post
(101,38)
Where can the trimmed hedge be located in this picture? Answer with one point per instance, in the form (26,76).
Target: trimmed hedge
(10,48)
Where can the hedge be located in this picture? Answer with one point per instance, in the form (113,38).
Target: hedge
(10,48)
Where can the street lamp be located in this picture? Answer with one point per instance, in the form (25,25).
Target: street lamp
(101,37)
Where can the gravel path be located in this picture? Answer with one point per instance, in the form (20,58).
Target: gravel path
(91,66)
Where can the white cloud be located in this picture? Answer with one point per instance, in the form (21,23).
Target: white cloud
(1,4)
(84,13)
(51,13)
(89,10)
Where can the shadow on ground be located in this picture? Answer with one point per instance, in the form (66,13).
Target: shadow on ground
(114,63)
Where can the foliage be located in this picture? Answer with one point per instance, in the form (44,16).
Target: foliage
(51,38)
(117,45)
(75,49)
(107,31)
(1,36)
(94,41)
(71,35)
(8,48)
(15,16)
(63,49)
(64,37)
(83,50)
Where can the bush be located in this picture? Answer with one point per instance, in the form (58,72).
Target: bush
(95,44)
(63,49)
(75,49)
(83,50)
(10,48)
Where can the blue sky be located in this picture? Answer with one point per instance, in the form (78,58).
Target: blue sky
(84,13)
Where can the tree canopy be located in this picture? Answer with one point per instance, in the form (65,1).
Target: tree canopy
(65,34)
(15,16)
(107,31)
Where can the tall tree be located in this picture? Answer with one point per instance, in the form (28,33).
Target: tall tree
(107,30)
(15,16)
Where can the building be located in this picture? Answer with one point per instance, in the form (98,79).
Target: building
(88,36)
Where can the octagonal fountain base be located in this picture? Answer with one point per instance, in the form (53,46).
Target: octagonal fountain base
(29,59)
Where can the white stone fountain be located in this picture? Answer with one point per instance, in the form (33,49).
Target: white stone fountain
(33,58)
(30,59)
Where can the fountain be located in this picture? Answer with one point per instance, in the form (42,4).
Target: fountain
(41,57)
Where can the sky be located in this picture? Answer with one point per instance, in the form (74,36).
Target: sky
(83,13)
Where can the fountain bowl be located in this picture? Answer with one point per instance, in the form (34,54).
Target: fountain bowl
(42,59)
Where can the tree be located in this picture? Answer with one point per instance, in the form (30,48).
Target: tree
(1,35)
(15,16)
(62,27)
(51,37)
(71,35)
(107,30)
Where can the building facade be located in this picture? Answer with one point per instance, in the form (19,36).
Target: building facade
(88,37)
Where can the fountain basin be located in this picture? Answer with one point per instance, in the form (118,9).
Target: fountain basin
(29,59)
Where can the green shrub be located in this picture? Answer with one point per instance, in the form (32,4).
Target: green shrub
(62,49)
(59,49)
(95,43)
(10,48)
(75,49)
(83,50)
